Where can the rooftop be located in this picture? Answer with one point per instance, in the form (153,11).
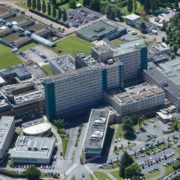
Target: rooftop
(163,80)
(5,125)
(135,93)
(36,147)
(97,127)
(96,30)
(132,17)
(63,63)
(129,47)
(20,71)
(171,69)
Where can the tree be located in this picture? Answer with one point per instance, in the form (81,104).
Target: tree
(126,160)
(147,6)
(132,171)
(44,7)
(140,121)
(59,14)
(175,48)
(72,4)
(177,3)
(135,5)
(141,2)
(49,9)
(64,16)
(54,12)
(54,2)
(34,4)
(29,3)
(130,6)
(32,172)
(38,5)
(58,123)
(128,127)
(96,5)
(86,3)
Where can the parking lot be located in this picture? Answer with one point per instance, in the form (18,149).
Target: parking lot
(164,16)
(82,16)
(38,54)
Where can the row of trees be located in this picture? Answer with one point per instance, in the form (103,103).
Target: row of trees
(47,8)
(172,32)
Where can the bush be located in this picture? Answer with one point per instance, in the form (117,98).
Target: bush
(176,165)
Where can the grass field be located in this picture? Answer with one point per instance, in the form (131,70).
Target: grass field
(7,58)
(114,166)
(116,175)
(138,10)
(119,130)
(102,176)
(25,48)
(72,45)
(47,70)
(151,175)
(116,41)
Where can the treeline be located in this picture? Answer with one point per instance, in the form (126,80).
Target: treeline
(47,8)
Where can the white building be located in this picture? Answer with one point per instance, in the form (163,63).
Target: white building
(136,98)
(131,19)
(33,150)
(96,134)
(7,129)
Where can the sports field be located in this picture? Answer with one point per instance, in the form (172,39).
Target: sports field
(7,58)
(72,45)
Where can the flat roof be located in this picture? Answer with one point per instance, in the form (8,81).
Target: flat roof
(129,47)
(97,127)
(63,63)
(30,146)
(163,80)
(5,125)
(171,69)
(132,17)
(135,93)
(96,30)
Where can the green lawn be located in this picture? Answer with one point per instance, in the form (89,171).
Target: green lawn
(25,48)
(177,149)
(102,176)
(47,70)
(73,178)
(114,166)
(7,58)
(139,9)
(169,170)
(116,41)
(119,130)
(72,45)
(151,175)
(91,177)
(116,175)
(64,146)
